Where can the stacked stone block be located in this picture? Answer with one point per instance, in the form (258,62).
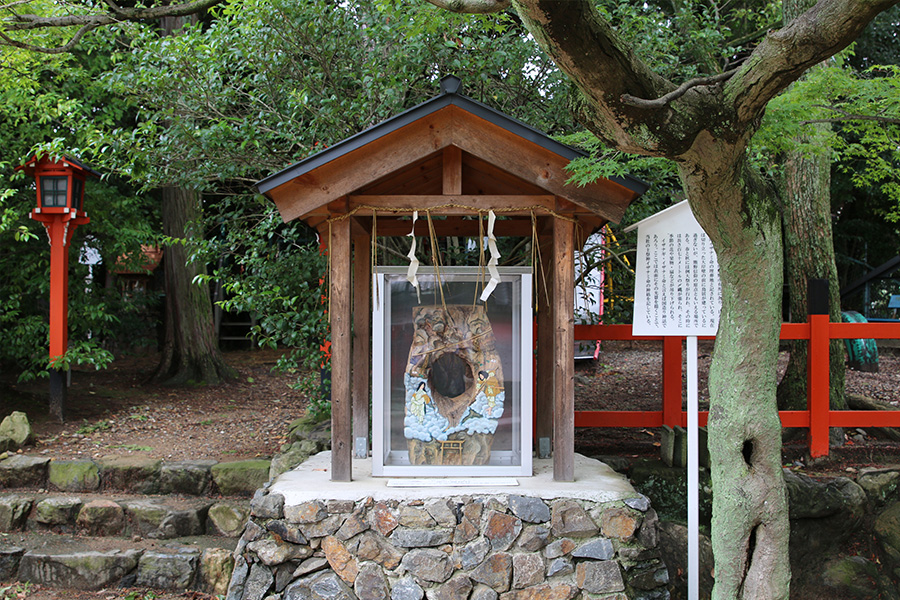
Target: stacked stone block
(135,474)
(153,518)
(173,567)
(505,547)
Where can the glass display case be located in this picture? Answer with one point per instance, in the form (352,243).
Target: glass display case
(451,375)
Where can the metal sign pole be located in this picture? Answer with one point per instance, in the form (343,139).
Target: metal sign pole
(693,470)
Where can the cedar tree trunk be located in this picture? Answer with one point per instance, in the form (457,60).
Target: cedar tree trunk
(809,254)
(190,351)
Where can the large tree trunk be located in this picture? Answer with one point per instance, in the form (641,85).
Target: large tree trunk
(190,351)
(750,528)
(809,254)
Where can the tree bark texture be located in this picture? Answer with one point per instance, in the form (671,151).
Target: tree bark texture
(705,130)
(190,351)
(809,253)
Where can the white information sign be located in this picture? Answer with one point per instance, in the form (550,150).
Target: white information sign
(677,292)
(677,289)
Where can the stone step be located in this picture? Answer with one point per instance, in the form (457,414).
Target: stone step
(202,563)
(153,517)
(134,474)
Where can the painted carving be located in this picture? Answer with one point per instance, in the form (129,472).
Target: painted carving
(454,386)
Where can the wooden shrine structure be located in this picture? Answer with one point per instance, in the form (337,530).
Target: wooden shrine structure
(454,158)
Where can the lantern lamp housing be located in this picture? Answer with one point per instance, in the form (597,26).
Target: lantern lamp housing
(60,183)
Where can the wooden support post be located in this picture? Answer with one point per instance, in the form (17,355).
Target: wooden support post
(339,259)
(543,417)
(817,367)
(362,286)
(452,171)
(59,314)
(563,350)
(672,382)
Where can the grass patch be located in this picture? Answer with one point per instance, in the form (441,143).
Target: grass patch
(92,428)
(134,447)
(16,591)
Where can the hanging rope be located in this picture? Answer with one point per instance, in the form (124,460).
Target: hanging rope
(480,258)
(414,262)
(375,258)
(452,205)
(436,261)
(540,261)
(328,273)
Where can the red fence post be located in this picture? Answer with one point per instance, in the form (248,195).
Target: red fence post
(672,381)
(818,371)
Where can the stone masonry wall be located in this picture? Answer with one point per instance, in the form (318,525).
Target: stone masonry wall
(478,547)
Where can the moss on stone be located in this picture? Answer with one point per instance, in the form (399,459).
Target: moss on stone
(241,477)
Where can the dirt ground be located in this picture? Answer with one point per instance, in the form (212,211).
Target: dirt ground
(38,592)
(628,376)
(115,411)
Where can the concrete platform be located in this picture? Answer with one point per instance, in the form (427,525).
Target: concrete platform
(594,481)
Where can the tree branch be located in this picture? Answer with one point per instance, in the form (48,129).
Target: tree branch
(67,47)
(605,67)
(848,116)
(26,22)
(678,92)
(783,55)
(87,22)
(15,3)
(478,7)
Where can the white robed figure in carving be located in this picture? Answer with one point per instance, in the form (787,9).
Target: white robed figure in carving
(418,401)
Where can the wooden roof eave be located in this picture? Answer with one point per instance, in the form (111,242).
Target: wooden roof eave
(447,120)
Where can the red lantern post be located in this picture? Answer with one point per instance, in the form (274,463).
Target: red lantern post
(60,207)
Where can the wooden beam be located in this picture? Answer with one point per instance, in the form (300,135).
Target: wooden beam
(452,172)
(535,164)
(425,173)
(544,405)
(563,350)
(453,226)
(351,171)
(339,251)
(362,285)
(464,205)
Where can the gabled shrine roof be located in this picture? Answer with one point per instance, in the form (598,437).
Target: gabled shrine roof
(410,138)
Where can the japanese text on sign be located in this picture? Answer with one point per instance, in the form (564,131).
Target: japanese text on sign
(677,289)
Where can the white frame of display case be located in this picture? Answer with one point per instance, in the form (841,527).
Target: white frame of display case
(521,370)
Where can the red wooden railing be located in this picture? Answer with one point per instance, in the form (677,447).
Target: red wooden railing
(818,417)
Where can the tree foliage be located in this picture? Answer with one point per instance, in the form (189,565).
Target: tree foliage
(45,103)
(262,84)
